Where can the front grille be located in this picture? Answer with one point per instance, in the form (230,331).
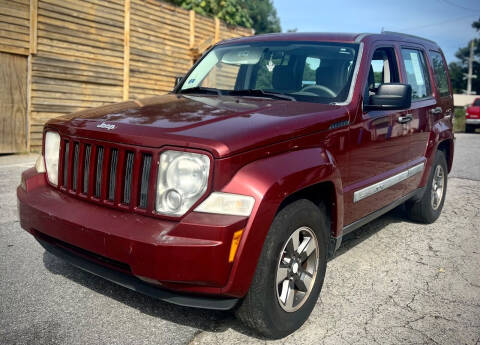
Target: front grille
(116,175)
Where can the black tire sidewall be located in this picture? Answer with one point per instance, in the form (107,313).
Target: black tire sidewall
(439,160)
(300,213)
(422,210)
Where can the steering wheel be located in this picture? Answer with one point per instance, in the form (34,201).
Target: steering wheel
(321,88)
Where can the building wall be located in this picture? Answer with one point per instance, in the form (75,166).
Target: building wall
(460,100)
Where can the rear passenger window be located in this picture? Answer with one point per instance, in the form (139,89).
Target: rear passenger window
(417,73)
(441,79)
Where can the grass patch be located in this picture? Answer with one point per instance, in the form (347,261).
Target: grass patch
(459,120)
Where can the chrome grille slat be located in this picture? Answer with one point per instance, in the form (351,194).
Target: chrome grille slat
(86,168)
(76,151)
(127,190)
(66,163)
(113,174)
(147,163)
(98,175)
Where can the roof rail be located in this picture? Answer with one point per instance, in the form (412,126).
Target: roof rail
(407,35)
(362,36)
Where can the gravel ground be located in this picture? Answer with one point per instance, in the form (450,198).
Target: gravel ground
(391,282)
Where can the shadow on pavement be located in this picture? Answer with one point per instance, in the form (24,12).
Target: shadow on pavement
(204,320)
(397,215)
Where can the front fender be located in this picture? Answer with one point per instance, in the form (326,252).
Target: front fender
(270,181)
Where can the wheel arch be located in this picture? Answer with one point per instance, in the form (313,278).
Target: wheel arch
(322,192)
(446,146)
(275,182)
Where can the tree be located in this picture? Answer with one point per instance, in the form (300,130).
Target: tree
(459,69)
(259,15)
(456,76)
(233,12)
(264,16)
(476,25)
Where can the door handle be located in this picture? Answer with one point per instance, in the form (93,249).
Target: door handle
(436,111)
(405,119)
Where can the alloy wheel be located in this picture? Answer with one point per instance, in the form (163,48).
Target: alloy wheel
(297,269)
(438,184)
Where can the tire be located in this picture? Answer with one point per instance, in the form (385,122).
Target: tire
(428,208)
(262,308)
(469,129)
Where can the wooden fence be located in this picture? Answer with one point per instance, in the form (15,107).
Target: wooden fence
(81,54)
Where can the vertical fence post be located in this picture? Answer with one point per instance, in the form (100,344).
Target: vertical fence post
(192,28)
(217,30)
(126,51)
(33,26)
(33,15)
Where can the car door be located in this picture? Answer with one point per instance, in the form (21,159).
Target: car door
(378,144)
(424,109)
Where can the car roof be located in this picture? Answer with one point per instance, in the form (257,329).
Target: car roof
(333,37)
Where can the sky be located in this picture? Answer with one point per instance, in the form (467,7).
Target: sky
(447,22)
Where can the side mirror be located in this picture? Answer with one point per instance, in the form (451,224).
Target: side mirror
(391,96)
(178,79)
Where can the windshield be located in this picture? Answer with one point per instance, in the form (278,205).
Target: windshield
(301,71)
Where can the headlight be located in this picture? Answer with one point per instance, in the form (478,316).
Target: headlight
(52,153)
(226,203)
(182,180)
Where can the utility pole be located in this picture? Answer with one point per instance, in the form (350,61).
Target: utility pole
(470,75)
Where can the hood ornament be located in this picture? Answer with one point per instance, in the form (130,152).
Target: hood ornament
(106,126)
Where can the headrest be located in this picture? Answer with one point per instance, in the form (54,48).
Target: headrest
(283,78)
(327,76)
(371,77)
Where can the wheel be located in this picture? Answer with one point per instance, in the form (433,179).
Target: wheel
(469,129)
(290,271)
(428,208)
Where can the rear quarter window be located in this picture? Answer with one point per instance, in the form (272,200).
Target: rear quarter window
(440,72)
(417,73)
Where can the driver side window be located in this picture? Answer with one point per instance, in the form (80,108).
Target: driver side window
(383,69)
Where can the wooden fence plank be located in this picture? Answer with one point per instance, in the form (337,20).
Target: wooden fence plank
(126,51)
(47,20)
(14,50)
(14,28)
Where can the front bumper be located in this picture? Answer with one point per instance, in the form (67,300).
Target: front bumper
(190,255)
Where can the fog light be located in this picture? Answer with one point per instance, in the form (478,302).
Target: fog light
(173,199)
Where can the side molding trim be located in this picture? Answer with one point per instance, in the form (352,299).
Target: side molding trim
(368,218)
(387,183)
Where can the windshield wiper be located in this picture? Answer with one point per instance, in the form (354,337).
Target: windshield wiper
(261,93)
(200,89)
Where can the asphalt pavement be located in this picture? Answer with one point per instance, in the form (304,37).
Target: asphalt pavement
(392,282)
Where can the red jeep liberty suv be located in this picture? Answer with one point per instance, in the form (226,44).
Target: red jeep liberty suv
(234,190)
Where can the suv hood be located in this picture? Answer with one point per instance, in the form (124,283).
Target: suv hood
(223,125)
(474,109)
